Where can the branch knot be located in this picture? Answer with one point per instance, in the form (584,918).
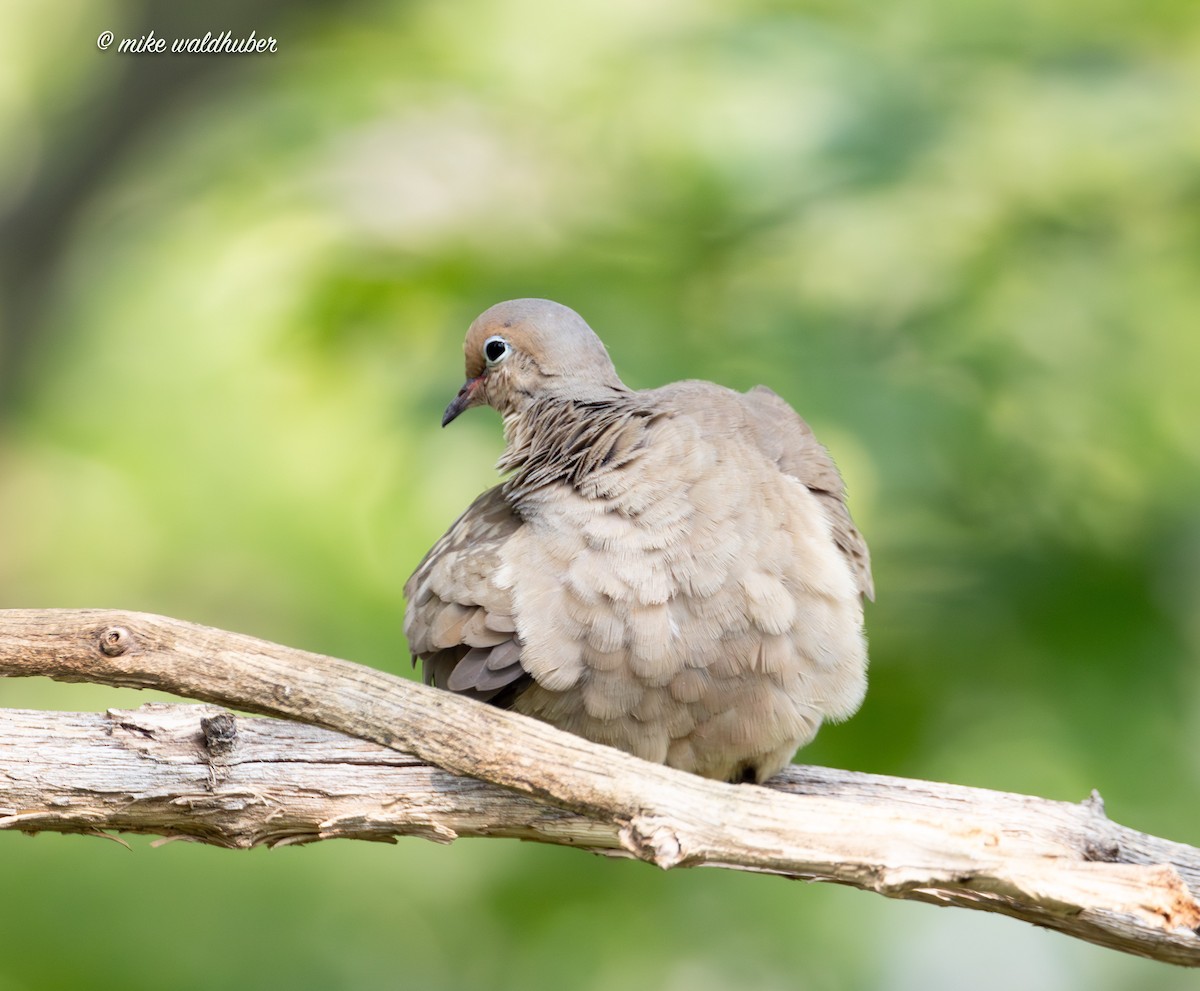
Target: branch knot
(651,839)
(115,641)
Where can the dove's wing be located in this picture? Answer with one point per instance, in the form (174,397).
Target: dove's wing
(459,622)
(786,439)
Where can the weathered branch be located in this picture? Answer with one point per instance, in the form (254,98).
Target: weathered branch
(1054,864)
(198,772)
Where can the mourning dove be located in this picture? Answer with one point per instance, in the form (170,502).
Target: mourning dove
(672,572)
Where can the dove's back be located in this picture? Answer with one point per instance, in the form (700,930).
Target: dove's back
(673,573)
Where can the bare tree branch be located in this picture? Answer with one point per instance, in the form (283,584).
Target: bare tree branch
(244,781)
(199,772)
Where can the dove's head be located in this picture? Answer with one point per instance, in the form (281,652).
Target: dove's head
(526,349)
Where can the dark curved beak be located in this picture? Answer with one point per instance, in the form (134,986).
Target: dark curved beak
(463,400)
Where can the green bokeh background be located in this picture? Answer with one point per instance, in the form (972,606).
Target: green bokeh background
(962,239)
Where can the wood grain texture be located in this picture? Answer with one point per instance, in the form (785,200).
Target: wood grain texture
(199,772)
(212,777)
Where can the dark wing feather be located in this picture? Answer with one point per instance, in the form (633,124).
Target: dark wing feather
(459,622)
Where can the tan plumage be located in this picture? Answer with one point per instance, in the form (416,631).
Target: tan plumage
(672,572)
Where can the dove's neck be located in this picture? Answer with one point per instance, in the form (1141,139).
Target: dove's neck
(554,439)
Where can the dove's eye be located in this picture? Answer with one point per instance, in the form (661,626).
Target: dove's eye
(496,349)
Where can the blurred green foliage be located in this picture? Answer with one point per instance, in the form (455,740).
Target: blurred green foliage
(962,239)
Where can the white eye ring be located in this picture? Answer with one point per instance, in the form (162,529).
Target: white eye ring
(496,349)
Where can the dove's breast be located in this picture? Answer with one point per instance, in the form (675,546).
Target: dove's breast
(688,604)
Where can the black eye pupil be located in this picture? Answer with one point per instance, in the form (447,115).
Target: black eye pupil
(494,350)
